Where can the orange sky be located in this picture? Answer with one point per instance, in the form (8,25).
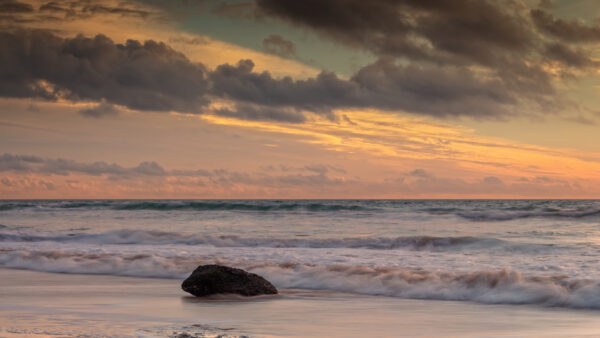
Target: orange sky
(70,148)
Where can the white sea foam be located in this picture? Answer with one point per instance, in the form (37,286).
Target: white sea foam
(489,286)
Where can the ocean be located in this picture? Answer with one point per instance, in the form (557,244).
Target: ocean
(543,254)
(344,268)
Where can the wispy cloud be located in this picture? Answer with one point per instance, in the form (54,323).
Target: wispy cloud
(34,176)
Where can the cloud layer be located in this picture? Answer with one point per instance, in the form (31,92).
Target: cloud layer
(51,177)
(481,59)
(152,76)
(515,54)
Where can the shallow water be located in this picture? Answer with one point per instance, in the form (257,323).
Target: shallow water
(545,253)
(36,304)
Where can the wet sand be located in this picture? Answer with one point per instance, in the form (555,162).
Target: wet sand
(41,304)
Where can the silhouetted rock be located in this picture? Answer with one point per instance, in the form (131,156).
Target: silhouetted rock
(214,279)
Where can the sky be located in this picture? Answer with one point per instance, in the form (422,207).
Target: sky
(299,99)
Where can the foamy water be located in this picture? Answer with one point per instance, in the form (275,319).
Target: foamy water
(506,252)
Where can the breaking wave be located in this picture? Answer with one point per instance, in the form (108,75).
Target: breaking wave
(143,237)
(493,287)
(508,215)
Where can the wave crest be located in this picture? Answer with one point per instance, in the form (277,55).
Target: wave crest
(144,237)
(493,287)
(546,213)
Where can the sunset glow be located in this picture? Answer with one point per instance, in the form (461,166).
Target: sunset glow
(469,130)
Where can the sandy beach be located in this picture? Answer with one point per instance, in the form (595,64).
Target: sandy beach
(38,304)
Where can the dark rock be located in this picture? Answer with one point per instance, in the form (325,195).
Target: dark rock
(213,279)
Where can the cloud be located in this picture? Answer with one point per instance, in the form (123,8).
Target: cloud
(254,112)
(276,44)
(22,175)
(314,168)
(578,58)
(142,76)
(64,167)
(438,91)
(70,10)
(504,48)
(478,31)
(426,184)
(123,11)
(492,180)
(22,163)
(151,76)
(27,169)
(12,6)
(102,109)
(54,6)
(462,32)
(570,31)
(418,173)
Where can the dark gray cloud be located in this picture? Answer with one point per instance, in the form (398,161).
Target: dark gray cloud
(476,58)
(276,44)
(434,90)
(574,57)
(143,76)
(152,76)
(13,6)
(10,162)
(440,58)
(458,31)
(52,6)
(123,11)
(570,31)
(318,94)
(508,43)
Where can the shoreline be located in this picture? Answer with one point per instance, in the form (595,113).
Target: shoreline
(42,304)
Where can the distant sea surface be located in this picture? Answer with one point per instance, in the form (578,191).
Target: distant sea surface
(542,252)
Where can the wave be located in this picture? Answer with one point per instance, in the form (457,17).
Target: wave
(545,213)
(143,237)
(243,206)
(493,287)
(4,206)
(473,210)
(247,205)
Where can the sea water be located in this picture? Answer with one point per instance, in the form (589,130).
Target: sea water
(540,252)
